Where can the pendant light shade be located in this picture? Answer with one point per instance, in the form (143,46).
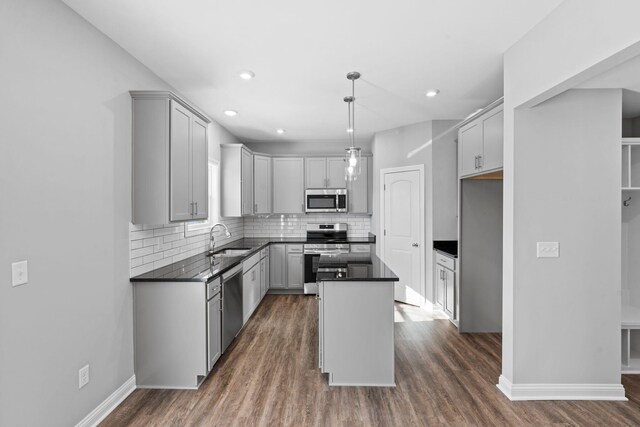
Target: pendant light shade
(352,157)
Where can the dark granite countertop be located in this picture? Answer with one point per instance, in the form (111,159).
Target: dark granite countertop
(361,267)
(203,268)
(447,247)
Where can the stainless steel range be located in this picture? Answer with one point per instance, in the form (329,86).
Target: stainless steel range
(322,239)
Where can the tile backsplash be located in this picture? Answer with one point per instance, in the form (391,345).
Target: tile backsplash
(154,246)
(296,225)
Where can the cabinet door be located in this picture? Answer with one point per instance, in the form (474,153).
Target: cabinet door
(358,194)
(288,185)
(250,291)
(267,274)
(440,285)
(450,297)
(215,336)
(470,140)
(493,135)
(263,279)
(315,172)
(199,169)
(247,182)
(295,270)
(277,267)
(335,172)
(180,163)
(262,184)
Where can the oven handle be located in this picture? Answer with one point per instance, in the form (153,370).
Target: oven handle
(321,252)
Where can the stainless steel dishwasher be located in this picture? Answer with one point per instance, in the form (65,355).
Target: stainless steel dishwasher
(231,305)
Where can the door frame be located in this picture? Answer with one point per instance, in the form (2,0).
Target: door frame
(420,169)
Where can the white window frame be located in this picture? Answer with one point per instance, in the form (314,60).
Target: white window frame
(195,228)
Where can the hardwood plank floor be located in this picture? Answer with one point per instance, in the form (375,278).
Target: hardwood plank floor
(269,377)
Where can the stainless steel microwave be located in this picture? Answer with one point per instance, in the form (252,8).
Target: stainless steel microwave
(326,200)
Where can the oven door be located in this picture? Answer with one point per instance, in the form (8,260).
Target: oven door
(311,267)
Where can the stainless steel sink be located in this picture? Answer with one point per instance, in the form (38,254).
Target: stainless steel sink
(228,253)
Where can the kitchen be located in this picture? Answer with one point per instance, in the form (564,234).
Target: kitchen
(71,212)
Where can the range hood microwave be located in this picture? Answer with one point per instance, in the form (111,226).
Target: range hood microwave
(326,200)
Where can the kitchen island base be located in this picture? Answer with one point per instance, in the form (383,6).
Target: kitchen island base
(356,323)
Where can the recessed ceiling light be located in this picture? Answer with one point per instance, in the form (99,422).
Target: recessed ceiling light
(280,131)
(432,92)
(247,75)
(230,113)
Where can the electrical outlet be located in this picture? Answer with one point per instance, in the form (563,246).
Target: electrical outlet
(19,273)
(548,250)
(83,376)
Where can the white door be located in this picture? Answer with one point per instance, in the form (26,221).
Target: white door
(402,234)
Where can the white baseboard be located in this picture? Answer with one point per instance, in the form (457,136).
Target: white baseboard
(109,404)
(561,391)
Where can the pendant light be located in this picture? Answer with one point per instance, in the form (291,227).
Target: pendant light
(352,157)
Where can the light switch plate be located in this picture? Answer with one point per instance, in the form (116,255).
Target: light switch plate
(548,250)
(19,273)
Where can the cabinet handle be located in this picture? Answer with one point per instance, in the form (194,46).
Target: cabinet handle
(476,162)
(196,208)
(415,245)
(479,162)
(191,208)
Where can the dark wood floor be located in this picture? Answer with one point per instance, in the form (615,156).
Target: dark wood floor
(269,377)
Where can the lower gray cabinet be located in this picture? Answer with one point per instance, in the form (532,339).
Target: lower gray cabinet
(286,266)
(171,341)
(295,267)
(214,343)
(278,267)
(445,280)
(251,292)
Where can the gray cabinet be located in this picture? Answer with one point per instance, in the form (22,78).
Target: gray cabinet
(324,172)
(358,190)
(480,146)
(440,286)
(236,185)
(261,184)
(277,266)
(295,267)
(251,292)
(445,281)
(288,185)
(315,172)
(335,172)
(214,317)
(247,182)
(286,265)
(170,161)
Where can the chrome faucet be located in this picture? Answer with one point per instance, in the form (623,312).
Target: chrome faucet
(212,239)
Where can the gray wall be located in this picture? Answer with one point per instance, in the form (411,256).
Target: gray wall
(566,317)
(406,146)
(414,145)
(65,167)
(445,180)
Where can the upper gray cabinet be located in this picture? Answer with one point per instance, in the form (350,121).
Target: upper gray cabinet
(288,185)
(324,172)
(236,186)
(261,184)
(480,144)
(359,196)
(170,160)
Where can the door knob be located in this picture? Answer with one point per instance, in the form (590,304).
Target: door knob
(415,245)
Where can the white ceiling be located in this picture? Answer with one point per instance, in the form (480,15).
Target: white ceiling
(301,52)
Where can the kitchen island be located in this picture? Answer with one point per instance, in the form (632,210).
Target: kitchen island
(356,320)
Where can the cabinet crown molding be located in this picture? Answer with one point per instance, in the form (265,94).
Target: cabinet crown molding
(167,94)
